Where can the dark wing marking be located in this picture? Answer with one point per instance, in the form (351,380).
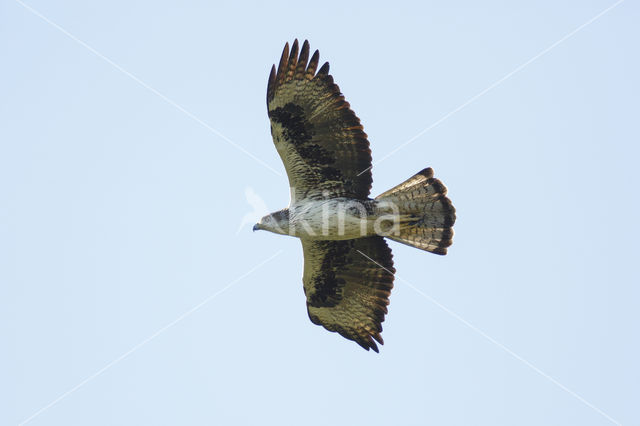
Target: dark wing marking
(319,138)
(346,292)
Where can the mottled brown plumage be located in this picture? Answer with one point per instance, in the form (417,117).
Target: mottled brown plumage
(346,292)
(347,280)
(318,137)
(431,215)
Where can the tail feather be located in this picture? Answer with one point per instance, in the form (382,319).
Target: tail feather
(427,215)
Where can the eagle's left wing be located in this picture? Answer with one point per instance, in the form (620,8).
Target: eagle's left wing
(346,291)
(319,138)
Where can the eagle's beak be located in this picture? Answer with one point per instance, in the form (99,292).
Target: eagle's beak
(256,227)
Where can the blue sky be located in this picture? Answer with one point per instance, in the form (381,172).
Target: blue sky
(127,145)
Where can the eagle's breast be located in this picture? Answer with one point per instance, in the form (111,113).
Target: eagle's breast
(332,219)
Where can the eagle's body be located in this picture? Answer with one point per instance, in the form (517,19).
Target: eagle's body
(327,219)
(348,267)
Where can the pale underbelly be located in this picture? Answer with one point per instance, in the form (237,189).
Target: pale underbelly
(336,220)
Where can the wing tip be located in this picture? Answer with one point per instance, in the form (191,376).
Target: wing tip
(295,64)
(324,69)
(372,345)
(271,84)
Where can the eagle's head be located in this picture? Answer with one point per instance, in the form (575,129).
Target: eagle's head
(277,222)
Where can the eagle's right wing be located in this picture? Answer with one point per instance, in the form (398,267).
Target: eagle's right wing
(319,138)
(347,284)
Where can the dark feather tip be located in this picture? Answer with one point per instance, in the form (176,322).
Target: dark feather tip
(427,172)
(324,69)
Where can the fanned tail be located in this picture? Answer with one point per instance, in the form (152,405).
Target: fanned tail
(426,214)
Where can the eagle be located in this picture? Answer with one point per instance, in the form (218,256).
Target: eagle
(348,266)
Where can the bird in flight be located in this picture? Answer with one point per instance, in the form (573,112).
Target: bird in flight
(348,267)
